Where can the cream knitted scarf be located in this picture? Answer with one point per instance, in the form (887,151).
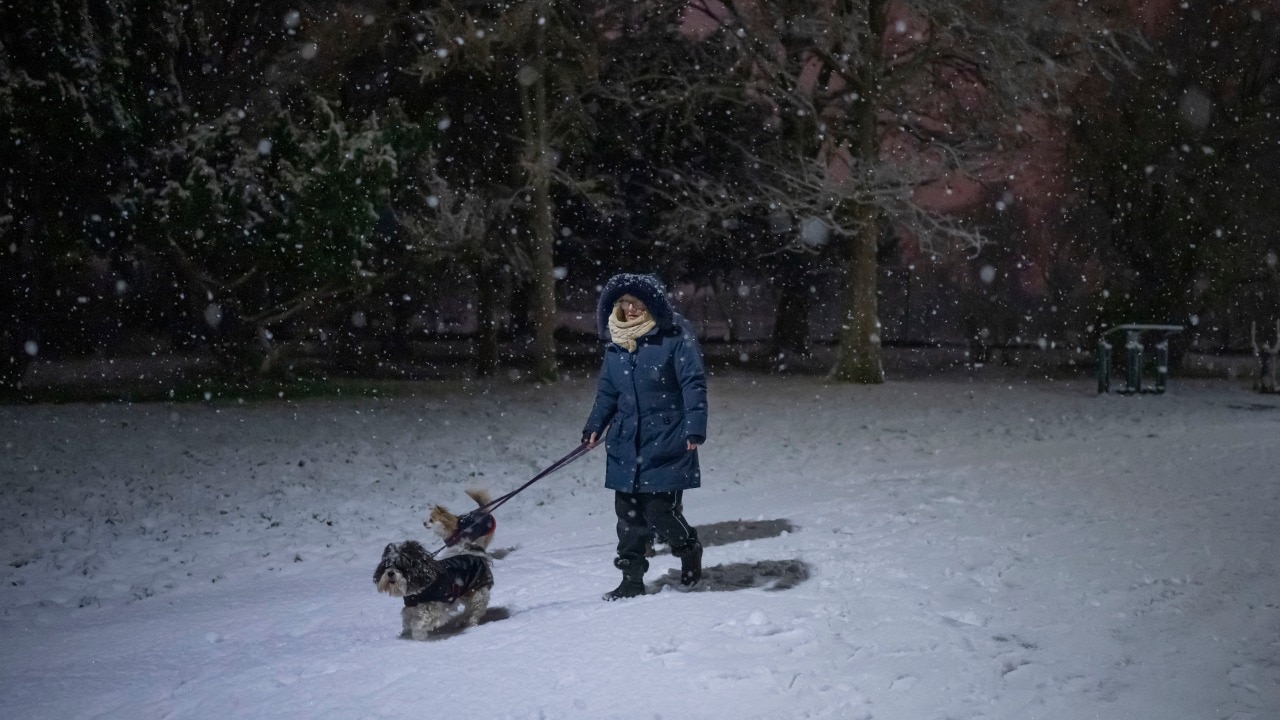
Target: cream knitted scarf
(624,332)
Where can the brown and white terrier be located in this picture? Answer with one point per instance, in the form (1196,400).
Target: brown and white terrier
(474,530)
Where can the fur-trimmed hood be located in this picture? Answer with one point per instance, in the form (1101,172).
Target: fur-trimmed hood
(647,288)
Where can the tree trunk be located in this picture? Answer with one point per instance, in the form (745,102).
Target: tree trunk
(486,340)
(542,233)
(791,315)
(734,310)
(244,350)
(14,357)
(858,359)
(17,287)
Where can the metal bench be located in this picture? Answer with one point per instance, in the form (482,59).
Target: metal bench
(1133,357)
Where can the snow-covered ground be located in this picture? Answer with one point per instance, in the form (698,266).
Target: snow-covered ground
(945,548)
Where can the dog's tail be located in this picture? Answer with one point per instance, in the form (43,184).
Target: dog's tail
(481,497)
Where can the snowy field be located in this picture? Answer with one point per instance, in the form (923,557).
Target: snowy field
(926,549)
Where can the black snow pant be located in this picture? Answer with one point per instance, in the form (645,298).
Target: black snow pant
(641,516)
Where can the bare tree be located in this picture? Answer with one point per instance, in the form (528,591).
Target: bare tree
(872,100)
(464,226)
(545,55)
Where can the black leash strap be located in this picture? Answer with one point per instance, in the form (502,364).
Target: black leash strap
(479,521)
(573,455)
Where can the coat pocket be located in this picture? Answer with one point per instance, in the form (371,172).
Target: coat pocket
(662,437)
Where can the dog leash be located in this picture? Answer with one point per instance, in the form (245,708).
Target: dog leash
(479,522)
(573,455)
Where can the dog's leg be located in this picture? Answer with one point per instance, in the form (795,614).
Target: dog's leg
(474,607)
(406,622)
(422,620)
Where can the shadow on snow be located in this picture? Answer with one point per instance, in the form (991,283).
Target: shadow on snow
(732,531)
(770,575)
(764,574)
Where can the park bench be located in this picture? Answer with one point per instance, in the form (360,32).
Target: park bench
(1134,348)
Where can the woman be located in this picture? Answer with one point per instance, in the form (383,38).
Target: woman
(652,398)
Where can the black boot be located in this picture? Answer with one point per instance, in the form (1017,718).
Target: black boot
(690,564)
(631,586)
(632,579)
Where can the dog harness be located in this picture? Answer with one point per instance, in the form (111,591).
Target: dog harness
(462,574)
(472,526)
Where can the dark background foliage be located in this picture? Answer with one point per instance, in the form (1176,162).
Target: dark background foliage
(340,187)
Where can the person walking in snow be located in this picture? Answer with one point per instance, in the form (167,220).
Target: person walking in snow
(651,397)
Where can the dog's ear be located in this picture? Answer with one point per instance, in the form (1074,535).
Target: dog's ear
(417,565)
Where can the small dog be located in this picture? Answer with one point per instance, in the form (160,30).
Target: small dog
(474,529)
(432,589)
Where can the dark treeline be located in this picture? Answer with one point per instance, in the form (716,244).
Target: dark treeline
(261,180)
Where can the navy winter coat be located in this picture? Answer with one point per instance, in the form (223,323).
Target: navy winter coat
(652,400)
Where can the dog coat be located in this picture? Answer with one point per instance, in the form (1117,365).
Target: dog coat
(462,574)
